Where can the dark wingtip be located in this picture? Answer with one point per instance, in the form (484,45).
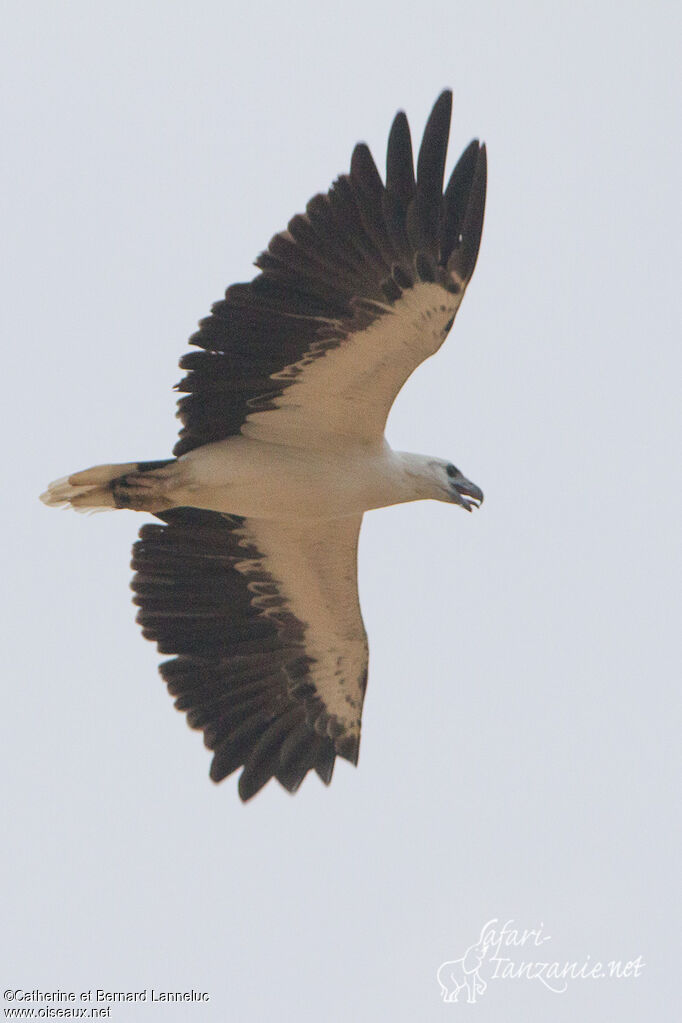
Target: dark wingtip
(348,747)
(363,171)
(324,762)
(424,217)
(361,155)
(473,220)
(400,161)
(433,150)
(441,111)
(217,771)
(251,783)
(456,198)
(471,213)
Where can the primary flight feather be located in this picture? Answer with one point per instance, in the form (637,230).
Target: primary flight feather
(249,580)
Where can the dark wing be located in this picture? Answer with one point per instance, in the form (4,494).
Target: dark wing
(357,292)
(271,652)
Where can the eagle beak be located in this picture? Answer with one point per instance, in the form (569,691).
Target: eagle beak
(466,493)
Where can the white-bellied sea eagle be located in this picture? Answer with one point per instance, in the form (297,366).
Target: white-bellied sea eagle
(249,580)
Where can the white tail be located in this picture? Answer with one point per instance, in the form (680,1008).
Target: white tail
(88,490)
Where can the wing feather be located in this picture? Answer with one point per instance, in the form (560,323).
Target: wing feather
(428,203)
(265,625)
(402,252)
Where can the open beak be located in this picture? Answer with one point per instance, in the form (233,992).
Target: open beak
(466,493)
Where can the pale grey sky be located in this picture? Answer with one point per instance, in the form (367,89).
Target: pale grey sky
(519,738)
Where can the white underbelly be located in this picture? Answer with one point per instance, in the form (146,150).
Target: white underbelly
(244,477)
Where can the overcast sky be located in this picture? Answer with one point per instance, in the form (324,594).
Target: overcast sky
(520,731)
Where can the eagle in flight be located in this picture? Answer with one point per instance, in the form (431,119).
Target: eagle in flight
(249,578)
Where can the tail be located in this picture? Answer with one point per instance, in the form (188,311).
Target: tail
(110,486)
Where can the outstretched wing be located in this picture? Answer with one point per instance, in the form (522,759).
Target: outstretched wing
(271,652)
(358,291)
